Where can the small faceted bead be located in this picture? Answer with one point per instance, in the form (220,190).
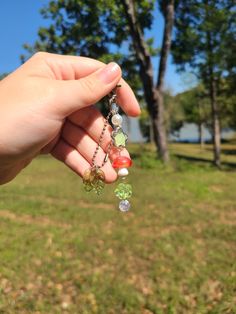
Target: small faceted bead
(122,162)
(124,205)
(117,120)
(123,191)
(114,108)
(123,172)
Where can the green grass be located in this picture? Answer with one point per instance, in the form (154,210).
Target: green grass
(65,251)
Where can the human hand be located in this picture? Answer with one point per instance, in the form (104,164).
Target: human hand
(46,107)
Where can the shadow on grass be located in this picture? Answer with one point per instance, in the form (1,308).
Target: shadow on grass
(227,166)
(225,151)
(228,151)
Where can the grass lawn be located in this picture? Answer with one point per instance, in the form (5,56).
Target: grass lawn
(66,251)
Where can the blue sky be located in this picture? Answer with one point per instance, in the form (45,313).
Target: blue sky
(20,20)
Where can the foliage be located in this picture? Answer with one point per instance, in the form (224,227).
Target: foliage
(145,124)
(174,116)
(195,106)
(63,250)
(113,31)
(227,102)
(203,32)
(96,29)
(174,113)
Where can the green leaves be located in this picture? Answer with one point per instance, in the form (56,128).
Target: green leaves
(201,36)
(94,28)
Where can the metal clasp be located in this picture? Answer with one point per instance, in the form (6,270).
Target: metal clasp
(112,95)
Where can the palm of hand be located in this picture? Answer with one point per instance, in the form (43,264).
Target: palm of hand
(50,112)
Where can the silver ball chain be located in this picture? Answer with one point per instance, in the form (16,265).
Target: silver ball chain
(112,100)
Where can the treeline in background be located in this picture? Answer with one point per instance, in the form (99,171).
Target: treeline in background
(199,35)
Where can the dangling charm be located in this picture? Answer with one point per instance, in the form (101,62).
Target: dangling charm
(93,180)
(94,177)
(119,138)
(121,163)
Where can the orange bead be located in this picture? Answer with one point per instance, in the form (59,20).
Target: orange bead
(122,162)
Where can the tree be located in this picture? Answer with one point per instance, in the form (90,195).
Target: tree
(203,33)
(153,94)
(145,125)
(99,29)
(196,108)
(174,114)
(227,103)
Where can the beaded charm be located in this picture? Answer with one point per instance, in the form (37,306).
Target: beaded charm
(119,138)
(121,163)
(94,177)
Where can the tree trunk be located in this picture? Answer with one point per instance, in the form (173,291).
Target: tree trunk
(155,106)
(158,119)
(151,133)
(169,11)
(213,100)
(215,123)
(201,134)
(200,126)
(159,130)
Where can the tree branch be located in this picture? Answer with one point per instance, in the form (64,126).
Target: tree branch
(166,42)
(136,33)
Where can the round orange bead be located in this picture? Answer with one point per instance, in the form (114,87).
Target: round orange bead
(122,162)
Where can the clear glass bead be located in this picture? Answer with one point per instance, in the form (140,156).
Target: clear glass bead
(114,108)
(124,205)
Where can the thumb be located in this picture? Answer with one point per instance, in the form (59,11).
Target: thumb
(76,94)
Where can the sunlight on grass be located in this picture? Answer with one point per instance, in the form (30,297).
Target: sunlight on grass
(63,250)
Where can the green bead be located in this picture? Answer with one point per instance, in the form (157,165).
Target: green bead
(93,180)
(98,187)
(123,191)
(88,187)
(119,138)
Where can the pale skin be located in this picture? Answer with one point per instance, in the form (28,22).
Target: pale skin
(47,106)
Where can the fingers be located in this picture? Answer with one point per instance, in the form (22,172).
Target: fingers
(74,68)
(92,121)
(127,100)
(66,153)
(86,146)
(70,156)
(77,94)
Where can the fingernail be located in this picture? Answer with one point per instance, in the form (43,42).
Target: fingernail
(109,73)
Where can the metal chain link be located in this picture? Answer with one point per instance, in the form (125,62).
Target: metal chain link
(100,142)
(112,99)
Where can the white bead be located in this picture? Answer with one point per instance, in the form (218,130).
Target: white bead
(117,119)
(124,205)
(123,172)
